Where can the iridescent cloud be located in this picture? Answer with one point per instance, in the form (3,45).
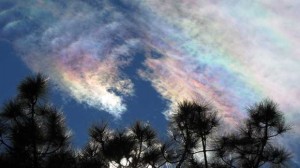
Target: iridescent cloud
(81,50)
(231,53)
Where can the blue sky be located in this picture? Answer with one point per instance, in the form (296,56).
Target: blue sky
(136,59)
(147,105)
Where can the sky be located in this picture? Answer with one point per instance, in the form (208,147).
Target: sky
(123,60)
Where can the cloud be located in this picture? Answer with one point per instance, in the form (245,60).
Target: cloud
(226,50)
(230,53)
(81,50)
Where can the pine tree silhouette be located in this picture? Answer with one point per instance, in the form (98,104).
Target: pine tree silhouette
(92,157)
(32,131)
(147,148)
(33,135)
(191,126)
(135,147)
(254,146)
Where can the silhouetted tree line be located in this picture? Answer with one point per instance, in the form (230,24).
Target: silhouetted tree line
(33,134)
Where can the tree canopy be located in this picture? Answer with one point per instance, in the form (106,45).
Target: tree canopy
(32,131)
(33,134)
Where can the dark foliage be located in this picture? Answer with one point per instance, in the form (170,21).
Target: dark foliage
(92,157)
(135,147)
(33,135)
(32,132)
(191,126)
(253,145)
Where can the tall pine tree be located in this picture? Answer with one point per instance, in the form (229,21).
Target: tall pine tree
(253,145)
(32,131)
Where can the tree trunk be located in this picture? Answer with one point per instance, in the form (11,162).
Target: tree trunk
(181,160)
(204,151)
(34,145)
(265,139)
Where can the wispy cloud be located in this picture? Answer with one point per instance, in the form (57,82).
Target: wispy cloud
(81,47)
(230,53)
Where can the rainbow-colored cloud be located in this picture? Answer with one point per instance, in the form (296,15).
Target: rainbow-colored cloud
(231,53)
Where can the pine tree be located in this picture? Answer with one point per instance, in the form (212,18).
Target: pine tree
(32,131)
(135,147)
(191,127)
(147,151)
(254,146)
